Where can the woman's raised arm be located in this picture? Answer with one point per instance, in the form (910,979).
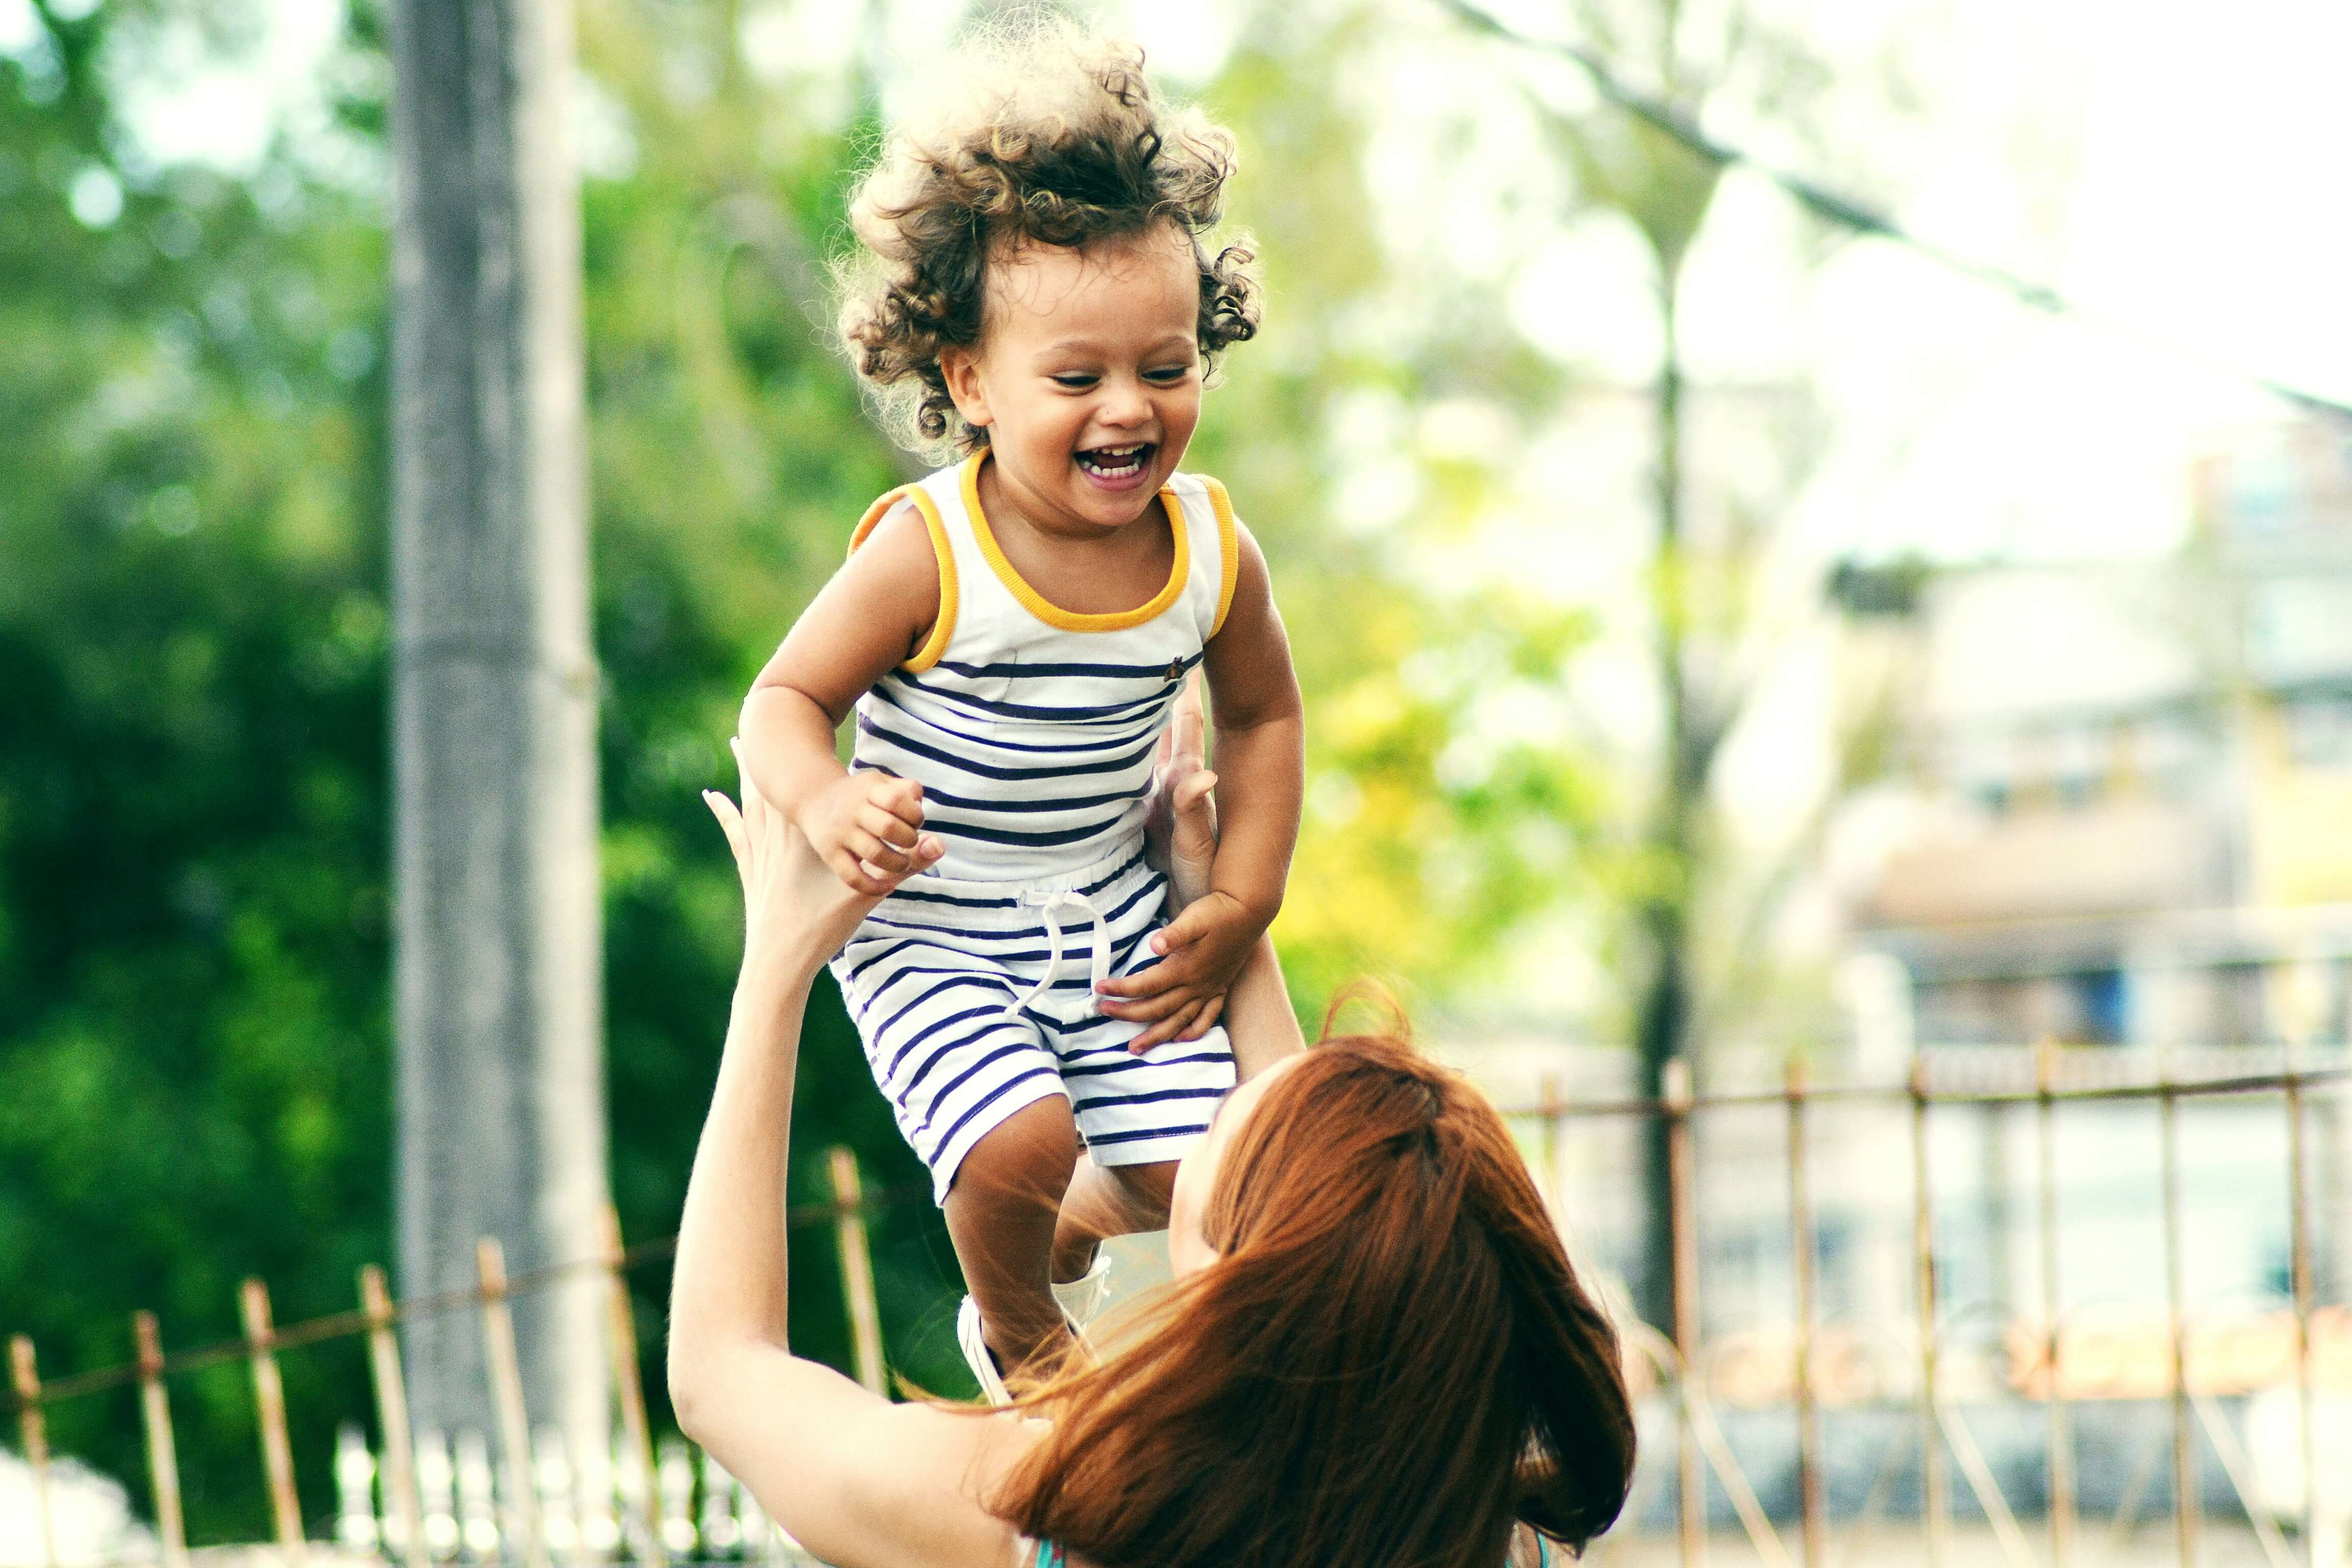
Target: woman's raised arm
(859,1481)
(1182,837)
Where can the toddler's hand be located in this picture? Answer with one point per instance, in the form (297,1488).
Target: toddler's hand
(1203,949)
(868,827)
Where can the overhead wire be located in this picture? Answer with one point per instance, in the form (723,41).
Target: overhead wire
(1859,216)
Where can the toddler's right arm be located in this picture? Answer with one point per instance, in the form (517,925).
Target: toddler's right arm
(873,613)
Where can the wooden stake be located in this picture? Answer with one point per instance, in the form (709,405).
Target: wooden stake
(857,1270)
(404,1505)
(1682,1194)
(1933,1509)
(33,1428)
(269,1405)
(1802,1243)
(163,1455)
(505,1393)
(621,1334)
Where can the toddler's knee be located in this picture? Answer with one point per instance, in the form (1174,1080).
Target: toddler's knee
(1027,1158)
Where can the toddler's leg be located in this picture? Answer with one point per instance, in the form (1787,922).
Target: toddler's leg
(1109,1199)
(1001,1213)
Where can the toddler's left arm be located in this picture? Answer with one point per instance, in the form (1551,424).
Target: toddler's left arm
(1260,764)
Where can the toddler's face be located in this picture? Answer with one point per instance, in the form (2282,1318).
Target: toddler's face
(1088,376)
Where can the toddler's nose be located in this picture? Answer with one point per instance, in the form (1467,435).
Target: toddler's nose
(1124,405)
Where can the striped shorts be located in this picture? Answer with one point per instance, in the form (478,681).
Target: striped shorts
(943,980)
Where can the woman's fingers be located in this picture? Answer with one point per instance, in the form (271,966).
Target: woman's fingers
(1194,789)
(731,821)
(742,771)
(1187,731)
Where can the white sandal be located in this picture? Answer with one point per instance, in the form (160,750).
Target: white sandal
(977,1356)
(1082,1298)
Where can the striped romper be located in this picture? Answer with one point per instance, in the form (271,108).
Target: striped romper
(1032,731)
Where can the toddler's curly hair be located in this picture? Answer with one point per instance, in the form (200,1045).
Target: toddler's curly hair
(1038,135)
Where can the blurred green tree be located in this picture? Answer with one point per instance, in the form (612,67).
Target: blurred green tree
(194,1072)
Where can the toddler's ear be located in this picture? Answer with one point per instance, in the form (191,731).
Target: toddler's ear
(959,367)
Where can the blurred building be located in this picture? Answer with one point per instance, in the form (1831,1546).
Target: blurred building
(2127,826)
(2135,779)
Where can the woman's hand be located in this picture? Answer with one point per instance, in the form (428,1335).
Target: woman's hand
(794,906)
(1180,826)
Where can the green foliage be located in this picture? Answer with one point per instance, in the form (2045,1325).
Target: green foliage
(194,1055)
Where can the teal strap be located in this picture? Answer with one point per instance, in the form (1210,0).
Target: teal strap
(1049,1555)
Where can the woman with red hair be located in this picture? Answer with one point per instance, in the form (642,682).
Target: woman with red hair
(1375,1354)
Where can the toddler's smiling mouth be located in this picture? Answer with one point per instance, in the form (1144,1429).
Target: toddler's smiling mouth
(1115,463)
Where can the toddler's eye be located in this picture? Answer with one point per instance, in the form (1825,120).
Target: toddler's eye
(1168,375)
(1075,383)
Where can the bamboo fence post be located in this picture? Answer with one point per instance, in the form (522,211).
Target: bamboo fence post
(1801,1245)
(1932,1508)
(856,1268)
(506,1395)
(2299,1247)
(404,1504)
(269,1406)
(33,1430)
(621,1332)
(2185,1500)
(1682,1212)
(163,1454)
(2061,1434)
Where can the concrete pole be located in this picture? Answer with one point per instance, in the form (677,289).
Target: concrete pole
(497,965)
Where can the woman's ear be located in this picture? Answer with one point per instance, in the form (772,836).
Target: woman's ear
(959,367)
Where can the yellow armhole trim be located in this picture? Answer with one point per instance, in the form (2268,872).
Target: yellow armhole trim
(1044,609)
(1229,549)
(942,629)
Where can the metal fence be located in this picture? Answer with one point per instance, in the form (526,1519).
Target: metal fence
(426,1499)
(421,1498)
(2042,1355)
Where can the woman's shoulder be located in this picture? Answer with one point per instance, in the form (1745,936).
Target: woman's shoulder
(918,1493)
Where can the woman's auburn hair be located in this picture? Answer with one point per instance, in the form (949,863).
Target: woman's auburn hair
(1391,1361)
(1034,132)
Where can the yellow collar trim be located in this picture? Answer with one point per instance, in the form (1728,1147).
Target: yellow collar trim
(943,628)
(1044,609)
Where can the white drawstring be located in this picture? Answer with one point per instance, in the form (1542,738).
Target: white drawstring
(1050,904)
